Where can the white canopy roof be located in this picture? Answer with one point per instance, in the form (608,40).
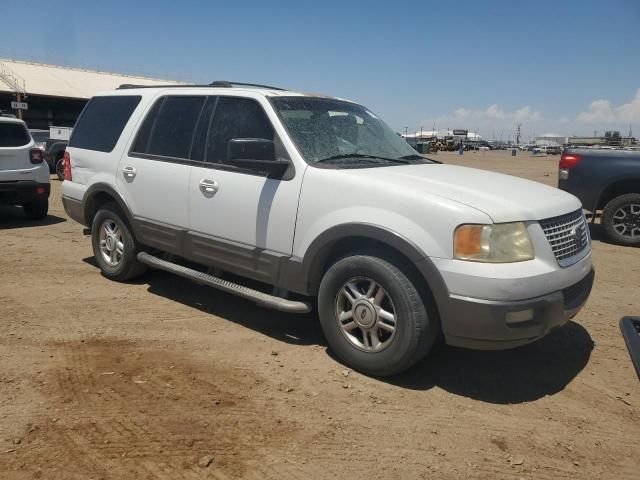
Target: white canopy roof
(59,81)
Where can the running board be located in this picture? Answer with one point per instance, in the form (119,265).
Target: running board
(260,298)
(630,327)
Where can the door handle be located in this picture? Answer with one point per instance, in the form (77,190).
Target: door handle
(129,172)
(208,187)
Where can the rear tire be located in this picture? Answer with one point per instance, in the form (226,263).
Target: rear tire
(37,210)
(621,220)
(60,168)
(114,247)
(373,316)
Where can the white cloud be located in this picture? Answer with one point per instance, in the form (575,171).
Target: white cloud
(525,114)
(462,113)
(494,111)
(602,112)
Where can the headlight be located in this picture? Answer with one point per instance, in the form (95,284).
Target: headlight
(497,243)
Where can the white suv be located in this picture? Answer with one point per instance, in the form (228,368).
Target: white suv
(316,197)
(24,175)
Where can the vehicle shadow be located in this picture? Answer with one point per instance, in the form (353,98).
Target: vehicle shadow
(285,327)
(14,217)
(519,375)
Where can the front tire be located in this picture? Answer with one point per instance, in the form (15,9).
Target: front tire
(114,246)
(37,210)
(621,220)
(373,316)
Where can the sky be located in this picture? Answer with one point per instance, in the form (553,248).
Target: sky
(565,67)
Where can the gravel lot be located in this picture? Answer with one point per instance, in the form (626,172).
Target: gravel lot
(162,378)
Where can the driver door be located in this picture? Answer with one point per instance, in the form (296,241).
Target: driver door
(240,220)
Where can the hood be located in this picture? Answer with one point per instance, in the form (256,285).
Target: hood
(503,197)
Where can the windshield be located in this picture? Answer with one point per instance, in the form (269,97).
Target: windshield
(327,129)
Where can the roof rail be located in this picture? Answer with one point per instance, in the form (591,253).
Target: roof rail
(216,84)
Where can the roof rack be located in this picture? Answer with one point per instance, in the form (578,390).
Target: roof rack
(216,84)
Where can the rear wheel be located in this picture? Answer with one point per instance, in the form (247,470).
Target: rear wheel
(37,210)
(373,316)
(621,219)
(114,247)
(60,168)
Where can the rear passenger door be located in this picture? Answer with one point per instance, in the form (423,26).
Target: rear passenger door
(154,173)
(242,220)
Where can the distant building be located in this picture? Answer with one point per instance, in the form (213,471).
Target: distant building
(56,95)
(550,139)
(610,139)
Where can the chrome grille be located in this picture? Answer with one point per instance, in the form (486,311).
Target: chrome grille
(568,236)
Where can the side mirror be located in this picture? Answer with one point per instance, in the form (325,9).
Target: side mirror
(251,149)
(256,154)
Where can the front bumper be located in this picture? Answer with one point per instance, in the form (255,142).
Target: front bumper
(22,191)
(495,325)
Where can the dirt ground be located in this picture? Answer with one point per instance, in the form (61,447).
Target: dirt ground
(161,378)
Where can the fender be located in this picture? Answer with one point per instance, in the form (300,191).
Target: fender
(611,183)
(303,275)
(98,188)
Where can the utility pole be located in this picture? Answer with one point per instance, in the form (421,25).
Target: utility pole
(406,130)
(421,133)
(518,134)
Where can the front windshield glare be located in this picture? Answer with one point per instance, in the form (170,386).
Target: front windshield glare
(326,128)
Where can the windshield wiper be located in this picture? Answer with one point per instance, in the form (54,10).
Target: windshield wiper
(419,157)
(363,156)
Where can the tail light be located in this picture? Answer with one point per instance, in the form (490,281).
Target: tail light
(67,166)
(36,155)
(569,160)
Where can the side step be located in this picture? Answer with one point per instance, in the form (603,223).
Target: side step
(630,327)
(260,298)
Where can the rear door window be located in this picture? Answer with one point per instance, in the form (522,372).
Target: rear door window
(168,129)
(102,121)
(13,135)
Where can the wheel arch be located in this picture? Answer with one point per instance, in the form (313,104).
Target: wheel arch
(617,187)
(340,240)
(99,194)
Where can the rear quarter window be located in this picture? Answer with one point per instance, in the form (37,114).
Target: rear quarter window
(13,135)
(102,121)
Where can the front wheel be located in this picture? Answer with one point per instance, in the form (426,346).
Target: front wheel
(373,316)
(621,220)
(114,246)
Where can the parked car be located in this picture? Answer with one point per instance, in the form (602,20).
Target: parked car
(40,138)
(607,180)
(54,151)
(24,175)
(321,200)
(553,149)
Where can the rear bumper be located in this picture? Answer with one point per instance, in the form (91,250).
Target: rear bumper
(496,325)
(74,209)
(23,191)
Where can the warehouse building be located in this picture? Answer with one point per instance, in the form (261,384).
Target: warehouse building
(55,95)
